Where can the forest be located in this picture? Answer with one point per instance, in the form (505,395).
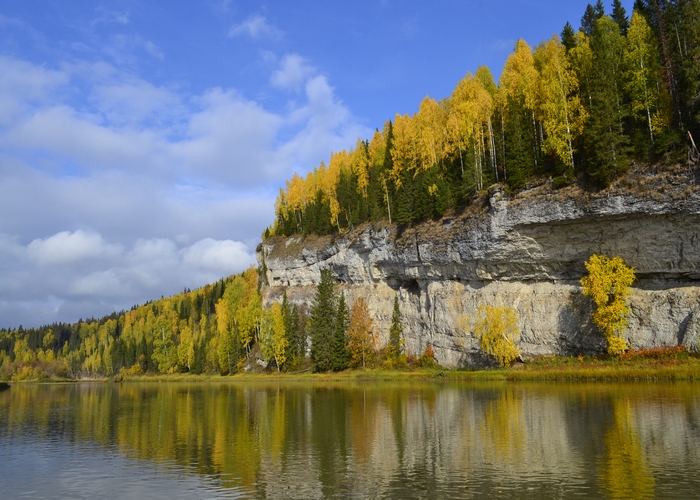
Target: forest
(580,107)
(218,329)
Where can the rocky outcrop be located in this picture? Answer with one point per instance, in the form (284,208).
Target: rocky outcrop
(527,253)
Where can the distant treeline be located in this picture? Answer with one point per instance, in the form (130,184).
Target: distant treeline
(580,106)
(220,328)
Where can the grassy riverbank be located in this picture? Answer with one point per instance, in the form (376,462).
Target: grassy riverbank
(643,365)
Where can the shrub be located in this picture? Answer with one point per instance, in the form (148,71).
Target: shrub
(496,329)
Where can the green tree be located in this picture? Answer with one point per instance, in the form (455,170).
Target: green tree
(395,347)
(608,283)
(340,356)
(322,320)
(648,99)
(605,137)
(619,15)
(568,36)
(497,331)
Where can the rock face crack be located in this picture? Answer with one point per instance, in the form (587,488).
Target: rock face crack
(528,255)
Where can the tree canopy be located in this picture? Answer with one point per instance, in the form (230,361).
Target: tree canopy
(580,107)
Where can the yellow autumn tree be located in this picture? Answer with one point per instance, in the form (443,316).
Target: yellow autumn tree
(404,152)
(361,335)
(359,160)
(468,124)
(430,128)
(273,338)
(560,108)
(608,283)
(497,331)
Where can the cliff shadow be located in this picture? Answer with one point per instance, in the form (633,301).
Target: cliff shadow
(577,333)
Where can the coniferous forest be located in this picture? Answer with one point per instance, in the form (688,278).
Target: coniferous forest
(581,107)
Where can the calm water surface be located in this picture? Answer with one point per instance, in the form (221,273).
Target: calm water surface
(350,440)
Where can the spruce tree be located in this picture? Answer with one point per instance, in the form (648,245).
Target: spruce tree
(321,326)
(604,134)
(395,332)
(619,15)
(340,356)
(567,36)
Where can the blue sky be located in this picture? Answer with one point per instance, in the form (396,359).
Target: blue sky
(142,144)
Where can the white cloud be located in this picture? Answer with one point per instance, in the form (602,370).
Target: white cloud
(66,247)
(293,72)
(22,85)
(256,26)
(142,190)
(212,255)
(230,139)
(61,130)
(82,268)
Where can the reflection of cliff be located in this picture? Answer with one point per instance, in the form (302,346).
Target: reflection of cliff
(526,253)
(397,440)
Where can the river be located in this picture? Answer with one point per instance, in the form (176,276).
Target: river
(350,440)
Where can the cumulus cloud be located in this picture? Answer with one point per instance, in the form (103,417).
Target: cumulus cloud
(212,255)
(66,247)
(82,267)
(230,139)
(142,190)
(256,26)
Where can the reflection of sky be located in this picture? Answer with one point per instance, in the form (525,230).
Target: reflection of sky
(60,469)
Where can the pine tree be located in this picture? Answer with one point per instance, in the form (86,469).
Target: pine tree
(619,15)
(395,332)
(322,322)
(340,356)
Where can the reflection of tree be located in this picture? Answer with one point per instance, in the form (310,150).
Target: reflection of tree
(624,471)
(363,422)
(503,430)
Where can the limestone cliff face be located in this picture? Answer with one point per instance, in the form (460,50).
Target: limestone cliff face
(526,253)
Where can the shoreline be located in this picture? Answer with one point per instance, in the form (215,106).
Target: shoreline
(679,372)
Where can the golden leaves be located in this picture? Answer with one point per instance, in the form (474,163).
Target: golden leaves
(608,284)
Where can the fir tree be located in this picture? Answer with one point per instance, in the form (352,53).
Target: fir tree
(567,36)
(395,332)
(322,322)
(340,356)
(619,15)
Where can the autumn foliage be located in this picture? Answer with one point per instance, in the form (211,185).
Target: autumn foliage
(608,283)
(497,331)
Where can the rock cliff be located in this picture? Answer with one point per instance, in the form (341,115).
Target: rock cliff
(526,252)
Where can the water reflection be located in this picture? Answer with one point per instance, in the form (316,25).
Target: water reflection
(357,440)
